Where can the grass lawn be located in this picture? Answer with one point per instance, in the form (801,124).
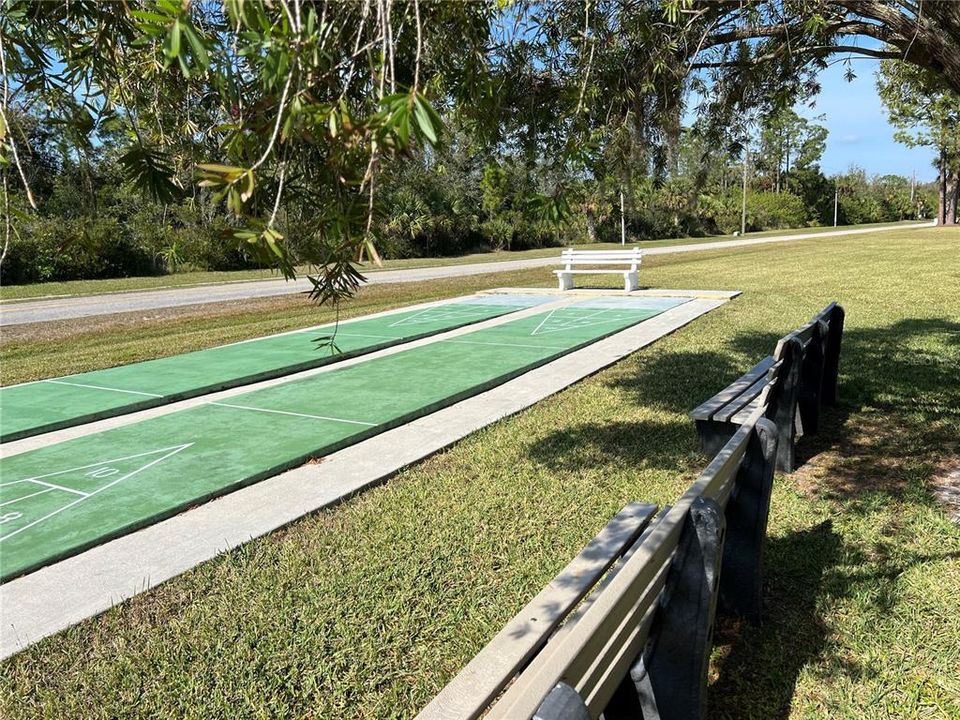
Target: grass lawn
(184,279)
(366,610)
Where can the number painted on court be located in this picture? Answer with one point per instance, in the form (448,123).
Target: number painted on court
(10,516)
(102,472)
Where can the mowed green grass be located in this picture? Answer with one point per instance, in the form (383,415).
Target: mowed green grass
(186,279)
(366,610)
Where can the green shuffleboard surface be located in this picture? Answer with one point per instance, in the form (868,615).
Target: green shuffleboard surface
(46,405)
(66,497)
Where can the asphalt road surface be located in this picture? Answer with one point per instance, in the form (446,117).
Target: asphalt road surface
(65,308)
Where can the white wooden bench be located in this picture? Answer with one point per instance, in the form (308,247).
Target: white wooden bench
(594,262)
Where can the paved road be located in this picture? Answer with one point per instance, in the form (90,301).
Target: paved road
(66,308)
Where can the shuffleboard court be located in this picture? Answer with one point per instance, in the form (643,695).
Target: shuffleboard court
(46,405)
(61,499)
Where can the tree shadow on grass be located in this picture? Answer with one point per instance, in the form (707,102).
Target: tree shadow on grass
(899,393)
(896,420)
(896,367)
(885,367)
(756,668)
(627,444)
(679,381)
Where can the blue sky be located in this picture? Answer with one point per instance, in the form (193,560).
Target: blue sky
(860,133)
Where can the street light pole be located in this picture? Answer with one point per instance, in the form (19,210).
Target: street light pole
(623,221)
(836,200)
(743,202)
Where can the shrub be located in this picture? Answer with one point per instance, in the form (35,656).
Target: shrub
(774,211)
(50,249)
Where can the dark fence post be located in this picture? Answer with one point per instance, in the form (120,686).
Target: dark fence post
(782,401)
(831,360)
(563,703)
(748,510)
(669,680)
(811,380)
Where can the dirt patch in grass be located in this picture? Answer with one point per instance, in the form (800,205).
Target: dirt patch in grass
(945,486)
(852,455)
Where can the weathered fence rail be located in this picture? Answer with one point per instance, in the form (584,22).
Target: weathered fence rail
(625,630)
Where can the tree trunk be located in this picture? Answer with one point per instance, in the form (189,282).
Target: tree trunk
(591,225)
(786,168)
(948,180)
(779,160)
(942,182)
(952,197)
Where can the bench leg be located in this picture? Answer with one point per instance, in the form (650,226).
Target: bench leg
(811,382)
(783,406)
(831,362)
(631,281)
(566,282)
(669,680)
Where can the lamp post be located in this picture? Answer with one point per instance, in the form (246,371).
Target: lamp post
(743,201)
(623,221)
(836,199)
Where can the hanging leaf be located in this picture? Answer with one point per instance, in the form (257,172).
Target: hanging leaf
(171,46)
(428,121)
(197,48)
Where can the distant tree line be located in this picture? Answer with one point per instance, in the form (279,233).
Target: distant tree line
(155,134)
(92,222)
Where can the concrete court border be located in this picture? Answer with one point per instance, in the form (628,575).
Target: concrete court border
(339,324)
(34,442)
(60,595)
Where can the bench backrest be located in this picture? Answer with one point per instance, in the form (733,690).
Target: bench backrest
(802,377)
(833,316)
(596,645)
(469,694)
(807,362)
(629,613)
(632,257)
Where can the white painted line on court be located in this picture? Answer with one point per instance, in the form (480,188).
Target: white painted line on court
(401,321)
(38,492)
(511,345)
(549,315)
(51,486)
(173,451)
(97,464)
(568,322)
(295,414)
(350,334)
(587,321)
(359,318)
(453,311)
(101,387)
